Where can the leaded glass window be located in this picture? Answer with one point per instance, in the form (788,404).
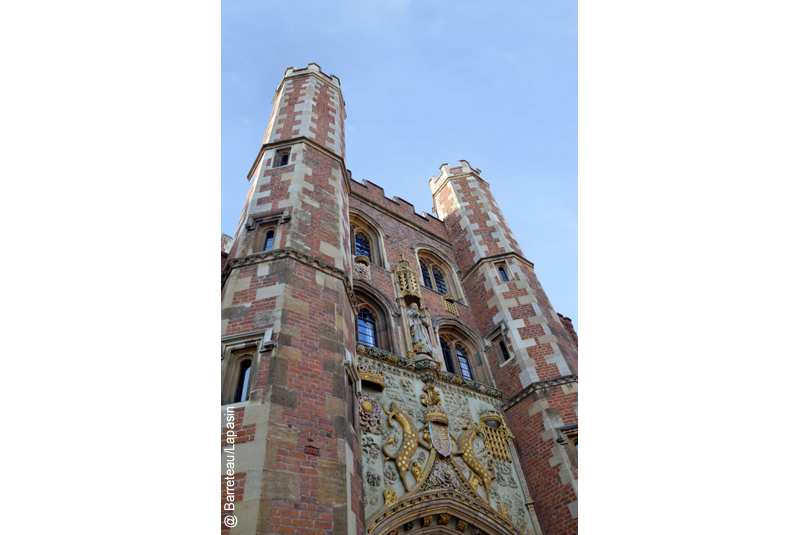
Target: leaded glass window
(463,362)
(366,328)
(426,276)
(441,286)
(363,246)
(448,358)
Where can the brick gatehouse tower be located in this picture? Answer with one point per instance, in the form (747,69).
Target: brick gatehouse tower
(386,371)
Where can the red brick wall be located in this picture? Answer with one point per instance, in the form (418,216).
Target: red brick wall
(551,496)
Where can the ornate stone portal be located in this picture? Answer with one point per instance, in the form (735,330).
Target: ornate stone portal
(449,467)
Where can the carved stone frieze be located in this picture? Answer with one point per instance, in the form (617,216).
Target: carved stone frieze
(370,449)
(369,412)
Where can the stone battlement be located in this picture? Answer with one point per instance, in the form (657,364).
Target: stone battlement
(311,67)
(398,206)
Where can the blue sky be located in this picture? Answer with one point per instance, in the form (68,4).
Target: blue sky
(427,83)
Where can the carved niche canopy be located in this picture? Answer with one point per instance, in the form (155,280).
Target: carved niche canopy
(406,279)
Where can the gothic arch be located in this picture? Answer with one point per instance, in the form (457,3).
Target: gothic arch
(454,330)
(382,311)
(433,258)
(414,508)
(361,223)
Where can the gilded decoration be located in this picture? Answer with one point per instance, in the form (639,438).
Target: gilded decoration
(394,532)
(450,305)
(368,374)
(444,518)
(464,448)
(427,521)
(473,461)
(406,279)
(504,512)
(369,412)
(411,439)
(431,396)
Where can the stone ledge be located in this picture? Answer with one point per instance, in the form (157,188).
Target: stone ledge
(539,385)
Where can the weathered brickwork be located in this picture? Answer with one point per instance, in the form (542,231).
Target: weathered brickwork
(551,471)
(291,307)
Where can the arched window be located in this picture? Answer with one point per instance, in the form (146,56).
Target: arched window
(438,273)
(426,276)
(366,239)
(366,328)
(503,275)
(363,246)
(504,351)
(461,351)
(448,357)
(463,362)
(242,390)
(268,242)
(441,286)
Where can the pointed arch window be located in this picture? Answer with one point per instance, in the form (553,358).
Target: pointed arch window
(448,357)
(363,246)
(242,386)
(463,362)
(366,328)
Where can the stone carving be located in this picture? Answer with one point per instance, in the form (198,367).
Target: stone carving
(474,481)
(394,532)
(444,475)
(390,474)
(476,531)
(504,512)
(370,449)
(408,386)
(390,497)
(464,445)
(504,474)
(419,331)
(373,500)
(427,521)
(373,479)
(411,439)
(369,412)
(444,518)
(462,525)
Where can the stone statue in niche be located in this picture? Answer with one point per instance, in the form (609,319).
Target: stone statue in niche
(418,325)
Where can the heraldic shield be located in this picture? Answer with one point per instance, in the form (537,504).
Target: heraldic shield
(440,438)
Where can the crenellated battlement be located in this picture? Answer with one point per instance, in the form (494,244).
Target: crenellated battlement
(461,170)
(311,67)
(398,206)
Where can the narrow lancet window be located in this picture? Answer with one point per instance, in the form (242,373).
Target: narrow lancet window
(242,390)
(448,358)
(503,274)
(366,328)
(463,362)
(363,246)
(270,238)
(441,286)
(426,276)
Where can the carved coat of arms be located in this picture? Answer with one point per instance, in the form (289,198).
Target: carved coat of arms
(440,438)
